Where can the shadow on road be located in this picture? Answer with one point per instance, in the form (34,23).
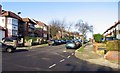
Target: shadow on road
(87,66)
(21,50)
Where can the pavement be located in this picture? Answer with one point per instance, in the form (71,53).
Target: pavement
(90,56)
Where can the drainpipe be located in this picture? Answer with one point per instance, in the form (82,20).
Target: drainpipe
(6,30)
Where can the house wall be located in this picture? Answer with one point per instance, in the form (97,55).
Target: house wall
(2,21)
(12,25)
(118,31)
(21,28)
(2,34)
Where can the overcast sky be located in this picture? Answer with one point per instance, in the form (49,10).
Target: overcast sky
(101,15)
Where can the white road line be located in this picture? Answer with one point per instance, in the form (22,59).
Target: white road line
(62,60)
(72,53)
(68,57)
(52,65)
(64,51)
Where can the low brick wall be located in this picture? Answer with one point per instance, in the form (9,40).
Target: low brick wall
(112,55)
(96,46)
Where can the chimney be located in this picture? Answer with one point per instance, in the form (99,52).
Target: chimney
(0,10)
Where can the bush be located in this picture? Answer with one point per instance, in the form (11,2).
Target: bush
(97,37)
(113,45)
(33,38)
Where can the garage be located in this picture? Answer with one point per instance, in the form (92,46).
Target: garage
(2,33)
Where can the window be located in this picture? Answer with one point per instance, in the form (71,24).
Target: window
(14,33)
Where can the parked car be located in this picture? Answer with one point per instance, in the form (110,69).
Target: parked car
(6,47)
(71,45)
(9,41)
(59,41)
(78,43)
(53,42)
(67,41)
(63,41)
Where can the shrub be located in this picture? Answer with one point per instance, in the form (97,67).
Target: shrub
(113,45)
(33,38)
(97,37)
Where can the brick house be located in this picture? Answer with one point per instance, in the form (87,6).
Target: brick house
(10,21)
(41,29)
(28,27)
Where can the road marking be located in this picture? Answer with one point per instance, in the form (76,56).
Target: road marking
(52,65)
(64,51)
(62,60)
(68,57)
(72,53)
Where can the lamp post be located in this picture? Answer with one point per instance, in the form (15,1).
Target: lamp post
(91,29)
(19,13)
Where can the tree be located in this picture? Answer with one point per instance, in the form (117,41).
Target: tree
(69,27)
(97,37)
(61,26)
(57,25)
(83,28)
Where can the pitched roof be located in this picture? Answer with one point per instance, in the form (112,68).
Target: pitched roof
(112,26)
(28,20)
(40,23)
(10,14)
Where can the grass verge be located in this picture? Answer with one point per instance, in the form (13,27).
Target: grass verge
(81,49)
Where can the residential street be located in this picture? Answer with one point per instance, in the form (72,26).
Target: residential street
(49,58)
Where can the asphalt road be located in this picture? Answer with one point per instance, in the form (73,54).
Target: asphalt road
(49,58)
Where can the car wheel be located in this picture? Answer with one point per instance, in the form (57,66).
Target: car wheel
(9,50)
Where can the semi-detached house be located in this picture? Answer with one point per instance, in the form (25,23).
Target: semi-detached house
(10,21)
(114,30)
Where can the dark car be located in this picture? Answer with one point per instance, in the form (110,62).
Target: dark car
(7,48)
(78,43)
(63,41)
(53,42)
(71,45)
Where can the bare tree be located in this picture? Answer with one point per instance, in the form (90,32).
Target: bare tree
(83,28)
(57,25)
(69,27)
(61,26)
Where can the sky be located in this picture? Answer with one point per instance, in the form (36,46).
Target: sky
(101,15)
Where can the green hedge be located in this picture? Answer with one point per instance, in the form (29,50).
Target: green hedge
(113,45)
(97,37)
(33,38)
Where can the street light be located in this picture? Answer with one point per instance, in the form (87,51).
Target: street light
(19,13)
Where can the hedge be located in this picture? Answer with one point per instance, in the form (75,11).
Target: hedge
(33,38)
(113,45)
(97,38)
